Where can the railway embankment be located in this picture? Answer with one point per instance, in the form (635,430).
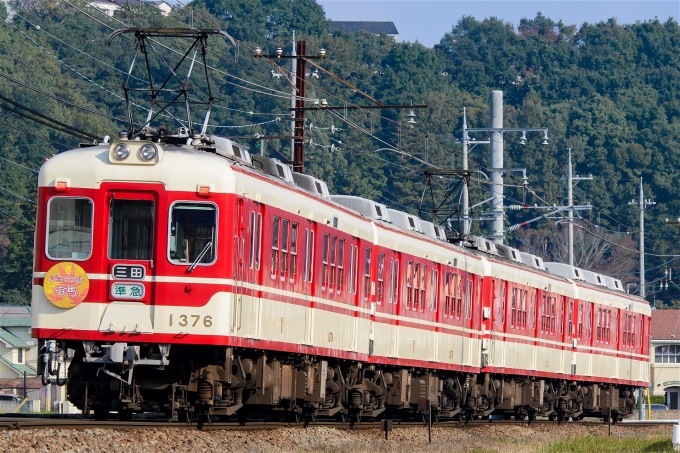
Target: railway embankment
(486,437)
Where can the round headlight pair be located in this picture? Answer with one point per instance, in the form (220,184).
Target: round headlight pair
(121,151)
(147,152)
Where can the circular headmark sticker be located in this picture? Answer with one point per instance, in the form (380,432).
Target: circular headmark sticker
(66,285)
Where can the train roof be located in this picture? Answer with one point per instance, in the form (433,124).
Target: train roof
(181,171)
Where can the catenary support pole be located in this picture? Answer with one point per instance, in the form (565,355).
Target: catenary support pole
(466,194)
(642,241)
(570,214)
(293,94)
(496,121)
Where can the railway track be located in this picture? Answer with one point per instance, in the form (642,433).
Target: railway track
(80,423)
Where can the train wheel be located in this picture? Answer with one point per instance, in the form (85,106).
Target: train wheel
(125,415)
(507,416)
(101,414)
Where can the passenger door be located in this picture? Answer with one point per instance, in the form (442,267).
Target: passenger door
(246,308)
(131,252)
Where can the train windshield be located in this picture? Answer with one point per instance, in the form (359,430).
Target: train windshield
(131,229)
(192,233)
(69,234)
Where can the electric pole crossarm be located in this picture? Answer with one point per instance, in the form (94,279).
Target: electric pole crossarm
(517,226)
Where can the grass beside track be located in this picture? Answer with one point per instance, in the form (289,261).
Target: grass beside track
(609,445)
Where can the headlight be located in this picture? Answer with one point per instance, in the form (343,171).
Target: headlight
(121,151)
(147,152)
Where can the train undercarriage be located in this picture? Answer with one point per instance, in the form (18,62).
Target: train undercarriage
(183,381)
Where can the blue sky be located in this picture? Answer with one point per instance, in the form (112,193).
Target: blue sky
(426,21)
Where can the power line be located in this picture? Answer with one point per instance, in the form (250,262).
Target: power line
(38,136)
(58,99)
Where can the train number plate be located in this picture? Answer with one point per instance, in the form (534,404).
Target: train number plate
(128,272)
(127,291)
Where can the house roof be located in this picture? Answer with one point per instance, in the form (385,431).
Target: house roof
(18,383)
(19,368)
(12,340)
(665,324)
(15,316)
(372,27)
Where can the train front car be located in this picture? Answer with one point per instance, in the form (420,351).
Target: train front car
(125,232)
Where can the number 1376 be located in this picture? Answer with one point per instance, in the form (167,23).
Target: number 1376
(192,320)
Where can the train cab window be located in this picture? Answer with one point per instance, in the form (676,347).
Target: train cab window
(131,229)
(69,232)
(193,232)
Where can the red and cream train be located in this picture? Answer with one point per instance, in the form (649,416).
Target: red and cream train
(195,278)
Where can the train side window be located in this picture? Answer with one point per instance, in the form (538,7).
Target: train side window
(353,265)
(580,321)
(616,327)
(532,309)
(309,256)
(459,295)
(447,295)
(390,297)
(598,319)
(500,301)
(284,249)
(252,239)
(560,317)
(131,226)
(409,269)
(570,318)
(69,228)
(468,298)
(324,271)
(513,308)
(341,252)
(524,310)
(334,248)
(381,269)
(275,246)
(609,317)
(293,252)
(434,290)
(543,314)
(258,241)
(193,232)
(589,320)
(395,282)
(423,292)
(367,275)
(552,316)
(416,279)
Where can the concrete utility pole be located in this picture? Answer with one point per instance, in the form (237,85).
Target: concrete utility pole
(293,95)
(496,122)
(570,214)
(642,205)
(466,194)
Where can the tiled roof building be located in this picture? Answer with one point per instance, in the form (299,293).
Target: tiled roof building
(376,28)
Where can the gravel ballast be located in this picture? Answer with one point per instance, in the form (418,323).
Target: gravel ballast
(506,438)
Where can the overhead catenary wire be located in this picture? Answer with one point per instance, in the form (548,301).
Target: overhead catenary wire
(38,136)
(44,123)
(58,99)
(48,118)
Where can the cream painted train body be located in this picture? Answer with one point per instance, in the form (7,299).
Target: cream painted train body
(205,280)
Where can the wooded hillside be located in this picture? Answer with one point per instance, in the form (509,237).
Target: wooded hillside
(607,91)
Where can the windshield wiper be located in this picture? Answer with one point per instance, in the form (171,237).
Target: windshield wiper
(200,256)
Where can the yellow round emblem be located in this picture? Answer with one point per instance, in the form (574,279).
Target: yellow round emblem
(66,285)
